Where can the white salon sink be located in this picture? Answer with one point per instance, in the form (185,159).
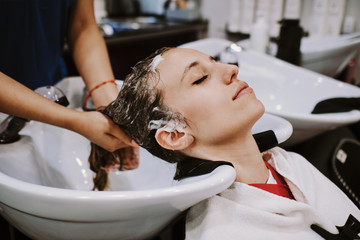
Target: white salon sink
(288,91)
(329,55)
(45,185)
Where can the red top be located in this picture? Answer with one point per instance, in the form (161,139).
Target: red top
(280,188)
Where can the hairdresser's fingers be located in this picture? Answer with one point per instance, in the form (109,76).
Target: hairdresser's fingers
(116,132)
(100,130)
(129,158)
(111,143)
(132,159)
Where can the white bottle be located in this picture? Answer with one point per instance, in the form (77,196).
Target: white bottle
(275,15)
(247,15)
(234,23)
(259,35)
(318,18)
(349,25)
(292,9)
(336,10)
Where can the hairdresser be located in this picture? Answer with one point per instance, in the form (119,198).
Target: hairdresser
(33,34)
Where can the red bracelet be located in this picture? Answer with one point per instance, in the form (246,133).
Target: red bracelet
(97,86)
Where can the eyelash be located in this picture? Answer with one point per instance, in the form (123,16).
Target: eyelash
(197,82)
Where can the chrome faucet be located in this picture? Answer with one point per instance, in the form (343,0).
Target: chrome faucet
(230,54)
(12,125)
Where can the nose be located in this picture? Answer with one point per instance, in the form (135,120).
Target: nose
(230,73)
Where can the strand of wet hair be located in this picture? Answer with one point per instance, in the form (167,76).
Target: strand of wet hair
(101,176)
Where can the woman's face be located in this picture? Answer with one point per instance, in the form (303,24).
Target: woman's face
(216,105)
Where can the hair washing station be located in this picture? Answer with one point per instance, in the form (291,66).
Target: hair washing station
(45,185)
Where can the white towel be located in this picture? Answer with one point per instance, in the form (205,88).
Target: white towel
(246,212)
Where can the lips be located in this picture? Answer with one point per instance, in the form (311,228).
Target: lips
(242,89)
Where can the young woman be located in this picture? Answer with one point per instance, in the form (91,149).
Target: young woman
(184,107)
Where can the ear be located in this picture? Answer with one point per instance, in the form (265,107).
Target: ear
(173,139)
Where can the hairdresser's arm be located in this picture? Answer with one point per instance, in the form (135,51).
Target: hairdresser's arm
(90,53)
(16,99)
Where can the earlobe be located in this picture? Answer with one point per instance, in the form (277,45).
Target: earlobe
(173,140)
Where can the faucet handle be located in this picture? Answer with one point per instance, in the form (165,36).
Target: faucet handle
(10,128)
(12,125)
(230,54)
(54,94)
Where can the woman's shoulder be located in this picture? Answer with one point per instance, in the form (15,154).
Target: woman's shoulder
(280,154)
(291,162)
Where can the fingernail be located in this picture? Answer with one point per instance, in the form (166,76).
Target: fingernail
(134,144)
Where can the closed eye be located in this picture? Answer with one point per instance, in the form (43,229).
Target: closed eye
(199,81)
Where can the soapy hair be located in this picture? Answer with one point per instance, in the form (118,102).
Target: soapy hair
(139,111)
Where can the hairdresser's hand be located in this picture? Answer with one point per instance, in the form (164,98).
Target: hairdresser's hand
(102,131)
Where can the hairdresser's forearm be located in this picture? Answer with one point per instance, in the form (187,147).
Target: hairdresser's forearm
(18,100)
(90,53)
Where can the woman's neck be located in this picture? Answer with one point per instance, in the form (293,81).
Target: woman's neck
(243,153)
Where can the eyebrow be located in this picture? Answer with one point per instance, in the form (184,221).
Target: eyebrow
(191,65)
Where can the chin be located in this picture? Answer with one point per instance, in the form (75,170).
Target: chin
(259,109)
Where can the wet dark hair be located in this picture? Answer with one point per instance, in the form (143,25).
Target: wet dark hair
(138,103)
(139,111)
